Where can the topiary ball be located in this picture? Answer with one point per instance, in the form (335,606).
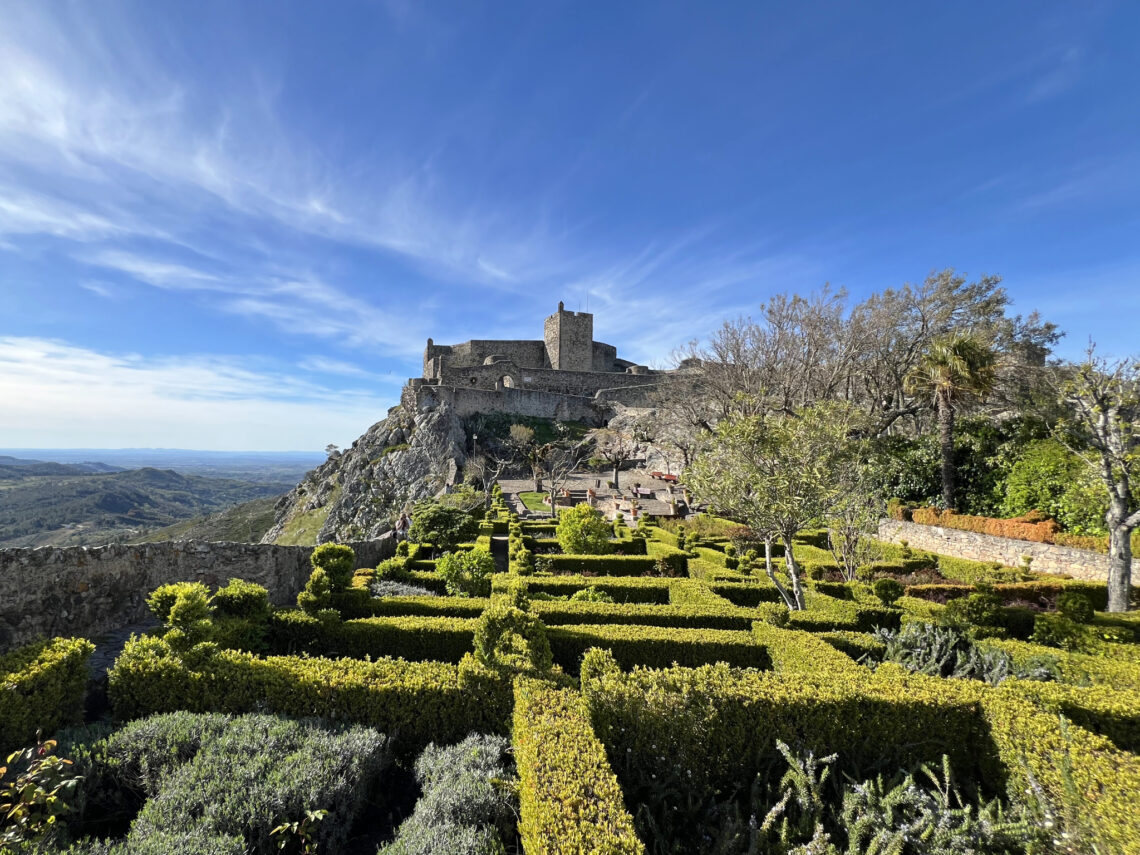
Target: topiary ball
(1075,606)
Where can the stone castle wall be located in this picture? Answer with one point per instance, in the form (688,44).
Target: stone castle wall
(1047,557)
(643,395)
(580,383)
(88,591)
(525,354)
(520,402)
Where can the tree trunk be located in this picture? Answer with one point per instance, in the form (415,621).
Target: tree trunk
(1119,560)
(946,440)
(616,485)
(789,601)
(793,572)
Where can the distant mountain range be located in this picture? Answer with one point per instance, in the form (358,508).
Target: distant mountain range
(89,503)
(285,468)
(16,467)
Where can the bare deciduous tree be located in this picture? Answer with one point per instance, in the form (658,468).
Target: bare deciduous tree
(1104,428)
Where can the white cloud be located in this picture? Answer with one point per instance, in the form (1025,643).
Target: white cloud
(59,395)
(100,289)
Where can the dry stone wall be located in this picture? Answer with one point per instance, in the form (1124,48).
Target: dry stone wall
(88,591)
(1047,557)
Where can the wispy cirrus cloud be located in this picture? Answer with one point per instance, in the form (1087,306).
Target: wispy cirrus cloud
(61,395)
(154,142)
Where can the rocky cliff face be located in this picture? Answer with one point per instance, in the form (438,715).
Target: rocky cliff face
(358,493)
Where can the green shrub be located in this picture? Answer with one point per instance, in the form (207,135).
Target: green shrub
(316,596)
(337,561)
(247,774)
(162,598)
(944,652)
(1075,606)
(857,645)
(583,531)
(888,591)
(592,594)
(569,798)
(189,620)
(680,737)
(439,639)
(508,637)
(1089,785)
(468,802)
(1057,630)
(981,608)
(657,647)
(441,526)
(1051,479)
(622,589)
(240,616)
(602,565)
(418,702)
(395,569)
(697,617)
(467,574)
(241,599)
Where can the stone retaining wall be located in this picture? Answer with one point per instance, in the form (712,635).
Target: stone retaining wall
(87,591)
(1047,557)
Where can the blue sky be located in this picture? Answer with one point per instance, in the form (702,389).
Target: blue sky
(234,225)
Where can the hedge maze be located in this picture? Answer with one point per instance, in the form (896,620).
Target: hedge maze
(651,695)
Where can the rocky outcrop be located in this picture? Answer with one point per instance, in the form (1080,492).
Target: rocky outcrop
(358,493)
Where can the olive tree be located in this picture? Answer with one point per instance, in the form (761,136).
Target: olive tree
(614,447)
(1104,427)
(778,474)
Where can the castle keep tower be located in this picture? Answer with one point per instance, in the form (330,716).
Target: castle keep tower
(569,338)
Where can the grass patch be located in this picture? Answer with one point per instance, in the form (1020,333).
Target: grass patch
(533,501)
(303,528)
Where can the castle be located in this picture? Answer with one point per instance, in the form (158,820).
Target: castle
(566,375)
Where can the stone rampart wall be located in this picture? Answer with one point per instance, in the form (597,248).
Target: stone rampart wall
(581,383)
(520,402)
(604,357)
(531,354)
(1047,557)
(87,591)
(631,396)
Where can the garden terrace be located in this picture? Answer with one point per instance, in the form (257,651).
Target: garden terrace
(641,707)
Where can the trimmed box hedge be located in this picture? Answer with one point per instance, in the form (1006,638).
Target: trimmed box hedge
(603,565)
(747,594)
(1112,713)
(369,606)
(43,686)
(1089,777)
(417,639)
(716,727)
(570,802)
(695,594)
(624,589)
(657,647)
(416,702)
(698,617)
(1115,669)
(1042,593)
(677,560)
(827,614)
(855,644)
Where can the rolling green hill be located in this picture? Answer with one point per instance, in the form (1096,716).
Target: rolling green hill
(244,523)
(96,508)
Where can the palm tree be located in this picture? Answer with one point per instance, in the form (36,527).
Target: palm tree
(955,369)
